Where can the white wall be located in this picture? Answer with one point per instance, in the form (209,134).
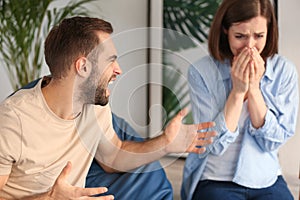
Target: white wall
(5,87)
(289,46)
(129,92)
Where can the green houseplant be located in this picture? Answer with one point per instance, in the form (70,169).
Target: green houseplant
(24,25)
(191,20)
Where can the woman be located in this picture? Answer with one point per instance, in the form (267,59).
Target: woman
(252,94)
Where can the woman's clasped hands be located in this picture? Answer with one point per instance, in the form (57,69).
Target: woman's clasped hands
(247,70)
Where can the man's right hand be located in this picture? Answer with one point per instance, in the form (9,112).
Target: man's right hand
(63,190)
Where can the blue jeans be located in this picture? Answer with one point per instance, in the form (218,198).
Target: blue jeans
(221,190)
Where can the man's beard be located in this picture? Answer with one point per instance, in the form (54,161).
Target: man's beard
(93,92)
(100,96)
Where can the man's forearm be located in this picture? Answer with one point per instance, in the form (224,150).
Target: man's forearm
(135,154)
(140,153)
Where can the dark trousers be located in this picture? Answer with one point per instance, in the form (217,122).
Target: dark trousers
(221,190)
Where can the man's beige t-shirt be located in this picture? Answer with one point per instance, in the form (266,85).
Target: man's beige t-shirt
(35,144)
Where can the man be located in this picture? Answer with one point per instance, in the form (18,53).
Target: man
(125,185)
(50,134)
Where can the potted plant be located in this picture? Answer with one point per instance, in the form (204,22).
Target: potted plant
(24,25)
(185,22)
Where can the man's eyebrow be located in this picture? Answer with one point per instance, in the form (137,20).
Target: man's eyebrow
(113,57)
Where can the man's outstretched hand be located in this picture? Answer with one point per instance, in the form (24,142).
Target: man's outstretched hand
(190,138)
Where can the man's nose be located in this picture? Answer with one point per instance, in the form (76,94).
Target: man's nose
(117,68)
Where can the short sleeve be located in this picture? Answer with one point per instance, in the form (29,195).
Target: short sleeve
(106,145)
(10,139)
(104,119)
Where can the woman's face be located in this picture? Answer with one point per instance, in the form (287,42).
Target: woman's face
(251,33)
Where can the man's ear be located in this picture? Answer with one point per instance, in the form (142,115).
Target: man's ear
(81,66)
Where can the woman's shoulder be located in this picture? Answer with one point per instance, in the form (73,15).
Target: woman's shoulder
(279,61)
(204,61)
(281,64)
(210,67)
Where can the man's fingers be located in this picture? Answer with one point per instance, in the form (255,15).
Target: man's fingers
(62,189)
(65,172)
(89,191)
(208,134)
(205,125)
(108,197)
(181,114)
(203,139)
(199,150)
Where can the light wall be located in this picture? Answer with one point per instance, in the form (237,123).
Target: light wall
(289,46)
(128,97)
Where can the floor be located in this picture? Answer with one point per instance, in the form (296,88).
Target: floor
(174,168)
